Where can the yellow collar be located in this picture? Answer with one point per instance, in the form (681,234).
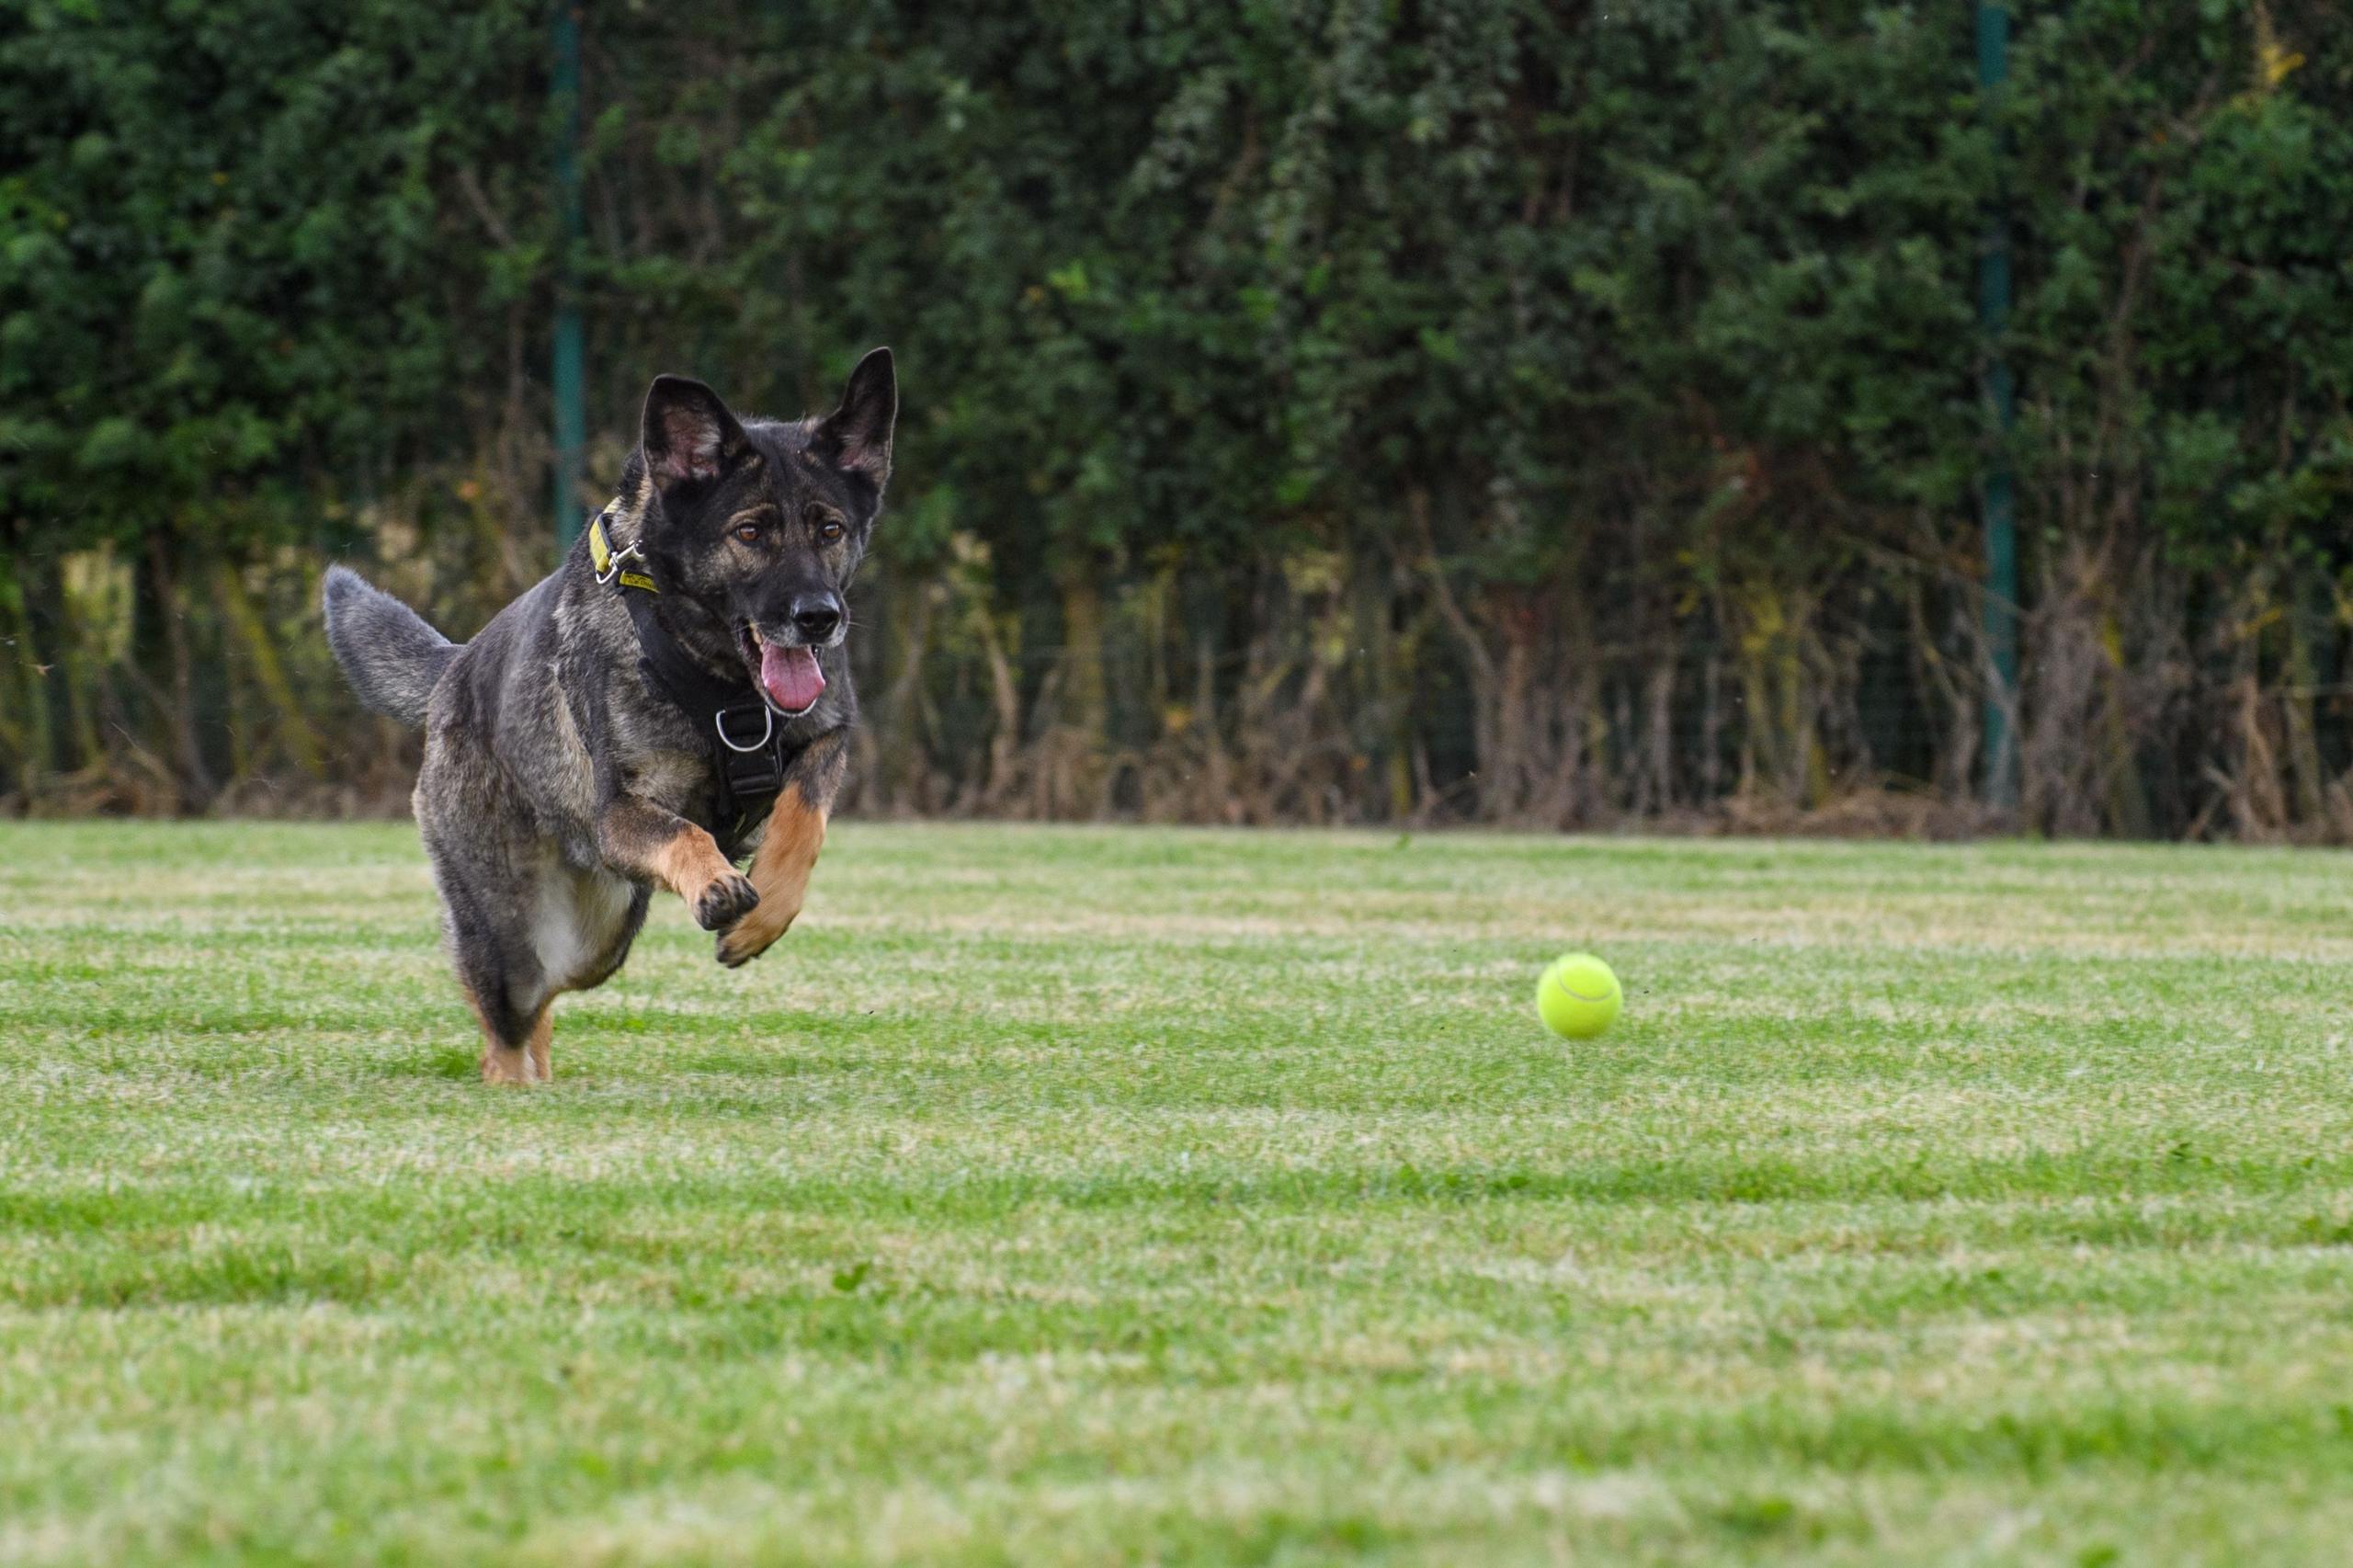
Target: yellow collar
(608,561)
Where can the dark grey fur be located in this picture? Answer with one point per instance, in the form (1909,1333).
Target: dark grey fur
(388,653)
(556,777)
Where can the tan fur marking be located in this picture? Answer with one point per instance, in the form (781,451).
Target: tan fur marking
(781,870)
(690,863)
(529,1062)
(628,513)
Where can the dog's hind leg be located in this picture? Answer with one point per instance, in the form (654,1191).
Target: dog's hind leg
(515,1050)
(508,990)
(489,878)
(580,929)
(536,1048)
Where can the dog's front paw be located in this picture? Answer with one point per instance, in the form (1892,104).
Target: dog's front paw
(753,935)
(724,901)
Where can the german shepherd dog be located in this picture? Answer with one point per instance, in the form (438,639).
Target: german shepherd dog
(676,697)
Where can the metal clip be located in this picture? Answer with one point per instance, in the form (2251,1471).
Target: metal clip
(613,567)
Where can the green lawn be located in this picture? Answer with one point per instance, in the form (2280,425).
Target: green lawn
(1071,1195)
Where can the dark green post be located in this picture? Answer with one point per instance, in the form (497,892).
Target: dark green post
(570,417)
(1999,500)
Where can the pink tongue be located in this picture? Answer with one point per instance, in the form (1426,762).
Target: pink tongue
(791,676)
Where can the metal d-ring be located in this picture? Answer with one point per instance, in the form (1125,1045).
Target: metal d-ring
(768,728)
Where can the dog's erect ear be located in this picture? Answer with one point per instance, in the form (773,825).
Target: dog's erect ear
(688,432)
(857,435)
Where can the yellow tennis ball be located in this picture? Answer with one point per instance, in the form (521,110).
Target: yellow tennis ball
(1577,996)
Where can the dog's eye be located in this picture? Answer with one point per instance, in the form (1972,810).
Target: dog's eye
(748,532)
(830,530)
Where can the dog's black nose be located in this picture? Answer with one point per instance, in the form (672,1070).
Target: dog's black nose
(817,617)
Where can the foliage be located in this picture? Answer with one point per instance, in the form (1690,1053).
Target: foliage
(1543,412)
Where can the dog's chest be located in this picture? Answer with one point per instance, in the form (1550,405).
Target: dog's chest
(578,918)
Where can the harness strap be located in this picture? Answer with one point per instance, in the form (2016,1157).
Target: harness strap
(748,755)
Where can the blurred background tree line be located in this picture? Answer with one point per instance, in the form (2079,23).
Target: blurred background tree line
(1314,410)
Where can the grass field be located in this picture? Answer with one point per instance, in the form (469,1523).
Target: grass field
(1073,1195)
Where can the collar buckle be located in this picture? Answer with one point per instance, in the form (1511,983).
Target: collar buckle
(608,561)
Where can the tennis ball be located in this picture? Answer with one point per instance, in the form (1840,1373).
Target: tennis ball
(1577,996)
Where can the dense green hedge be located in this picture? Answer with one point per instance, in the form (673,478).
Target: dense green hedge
(1518,411)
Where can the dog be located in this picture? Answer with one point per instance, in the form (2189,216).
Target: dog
(676,697)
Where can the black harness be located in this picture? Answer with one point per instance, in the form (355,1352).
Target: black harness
(748,753)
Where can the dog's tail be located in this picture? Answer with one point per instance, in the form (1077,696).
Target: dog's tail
(388,653)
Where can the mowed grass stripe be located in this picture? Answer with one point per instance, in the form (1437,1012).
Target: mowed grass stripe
(1070,1195)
